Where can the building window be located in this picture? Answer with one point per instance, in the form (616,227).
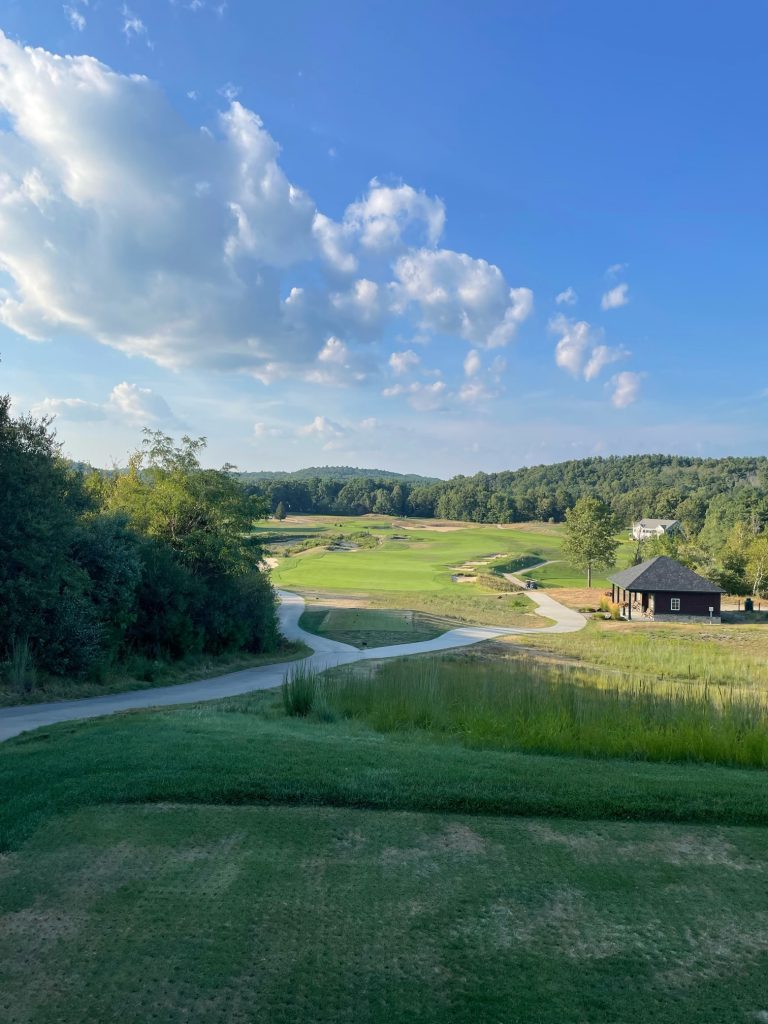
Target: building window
(674,604)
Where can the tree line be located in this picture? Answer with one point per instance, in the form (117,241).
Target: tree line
(715,493)
(106,571)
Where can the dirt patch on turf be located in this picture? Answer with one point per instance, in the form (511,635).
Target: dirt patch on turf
(690,850)
(35,927)
(579,597)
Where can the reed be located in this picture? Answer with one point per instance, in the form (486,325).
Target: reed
(524,705)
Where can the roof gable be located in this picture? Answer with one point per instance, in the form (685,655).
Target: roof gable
(662,573)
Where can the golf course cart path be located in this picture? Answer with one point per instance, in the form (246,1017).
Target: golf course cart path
(326,654)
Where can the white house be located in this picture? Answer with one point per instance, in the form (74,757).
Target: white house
(647,528)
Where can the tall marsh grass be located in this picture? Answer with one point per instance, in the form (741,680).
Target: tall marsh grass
(524,705)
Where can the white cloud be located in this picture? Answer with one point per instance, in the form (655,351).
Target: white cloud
(382,217)
(615,269)
(456,294)
(74,409)
(127,403)
(191,247)
(139,405)
(371,423)
(475,391)
(615,297)
(567,297)
(76,18)
(626,386)
(132,25)
(263,430)
(402,362)
(422,397)
(575,338)
(321,426)
(602,356)
(472,364)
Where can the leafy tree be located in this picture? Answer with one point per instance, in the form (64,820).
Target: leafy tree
(205,515)
(280,512)
(589,536)
(757,564)
(40,582)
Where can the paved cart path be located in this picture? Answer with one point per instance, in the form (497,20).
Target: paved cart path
(326,653)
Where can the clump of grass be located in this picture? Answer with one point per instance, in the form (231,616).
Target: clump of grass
(300,691)
(22,674)
(524,705)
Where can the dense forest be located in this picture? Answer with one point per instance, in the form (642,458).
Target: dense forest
(693,490)
(342,473)
(129,569)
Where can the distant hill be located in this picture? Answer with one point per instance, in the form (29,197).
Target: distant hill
(337,473)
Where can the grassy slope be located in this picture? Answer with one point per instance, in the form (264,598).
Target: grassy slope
(365,627)
(244,751)
(202,916)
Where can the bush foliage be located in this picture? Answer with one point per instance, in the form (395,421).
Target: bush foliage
(95,570)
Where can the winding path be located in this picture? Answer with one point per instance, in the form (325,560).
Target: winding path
(326,653)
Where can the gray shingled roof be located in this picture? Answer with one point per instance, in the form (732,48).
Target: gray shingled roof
(651,524)
(662,573)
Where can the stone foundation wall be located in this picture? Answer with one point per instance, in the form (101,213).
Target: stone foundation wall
(696,619)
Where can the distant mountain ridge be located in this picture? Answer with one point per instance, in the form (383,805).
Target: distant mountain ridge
(337,473)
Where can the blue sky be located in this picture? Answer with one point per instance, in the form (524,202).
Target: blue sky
(428,237)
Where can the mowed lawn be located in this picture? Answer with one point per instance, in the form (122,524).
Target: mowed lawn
(228,915)
(365,627)
(417,560)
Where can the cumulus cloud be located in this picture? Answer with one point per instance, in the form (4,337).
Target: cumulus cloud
(421,396)
(402,362)
(615,297)
(127,403)
(576,336)
(456,294)
(626,387)
(567,297)
(472,364)
(191,247)
(323,427)
(264,430)
(602,356)
(384,215)
(579,352)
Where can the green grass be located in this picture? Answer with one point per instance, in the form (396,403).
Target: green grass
(419,564)
(272,915)
(364,627)
(524,705)
(727,655)
(245,751)
(144,674)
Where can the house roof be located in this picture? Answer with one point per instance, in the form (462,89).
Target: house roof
(662,573)
(651,524)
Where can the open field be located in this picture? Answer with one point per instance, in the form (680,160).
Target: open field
(412,564)
(414,917)
(719,655)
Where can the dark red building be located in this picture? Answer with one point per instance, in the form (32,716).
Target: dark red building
(664,590)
